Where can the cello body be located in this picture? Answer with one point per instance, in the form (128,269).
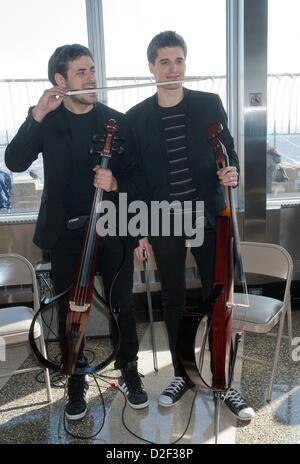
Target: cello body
(221,324)
(218,306)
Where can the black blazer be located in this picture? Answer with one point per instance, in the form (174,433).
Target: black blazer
(147,143)
(51,137)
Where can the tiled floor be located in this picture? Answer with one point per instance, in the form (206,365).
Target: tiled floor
(26,417)
(279,420)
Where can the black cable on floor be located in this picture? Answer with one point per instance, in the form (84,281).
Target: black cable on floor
(88,437)
(56,377)
(151,442)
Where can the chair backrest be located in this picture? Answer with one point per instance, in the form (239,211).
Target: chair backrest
(192,275)
(17,271)
(138,265)
(139,281)
(267,259)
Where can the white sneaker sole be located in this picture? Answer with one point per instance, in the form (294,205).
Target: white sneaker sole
(73,417)
(132,405)
(137,406)
(247,418)
(167,405)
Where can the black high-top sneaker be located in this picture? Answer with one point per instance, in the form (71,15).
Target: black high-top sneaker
(238,406)
(131,385)
(76,406)
(173,392)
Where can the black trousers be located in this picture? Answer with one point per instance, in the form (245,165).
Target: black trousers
(170,256)
(64,257)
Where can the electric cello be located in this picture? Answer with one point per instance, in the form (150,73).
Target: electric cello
(81,290)
(220,304)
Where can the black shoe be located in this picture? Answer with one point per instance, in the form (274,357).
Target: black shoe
(130,383)
(174,391)
(238,405)
(76,407)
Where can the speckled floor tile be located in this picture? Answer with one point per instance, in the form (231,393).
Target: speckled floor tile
(26,417)
(24,409)
(279,420)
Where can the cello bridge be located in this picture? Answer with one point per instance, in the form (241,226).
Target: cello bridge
(79,308)
(231,305)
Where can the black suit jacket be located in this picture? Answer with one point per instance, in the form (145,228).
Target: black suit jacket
(146,141)
(51,137)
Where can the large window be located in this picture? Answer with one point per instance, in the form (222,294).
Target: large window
(283,152)
(29,33)
(130,25)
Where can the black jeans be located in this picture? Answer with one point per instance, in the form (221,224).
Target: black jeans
(64,257)
(170,256)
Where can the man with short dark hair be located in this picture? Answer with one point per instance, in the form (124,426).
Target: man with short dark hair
(62,127)
(176,163)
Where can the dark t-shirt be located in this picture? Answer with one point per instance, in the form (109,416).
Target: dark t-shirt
(80,192)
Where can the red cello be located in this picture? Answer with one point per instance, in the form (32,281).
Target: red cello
(220,304)
(81,290)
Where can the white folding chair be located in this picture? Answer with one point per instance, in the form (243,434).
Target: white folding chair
(16,273)
(264,313)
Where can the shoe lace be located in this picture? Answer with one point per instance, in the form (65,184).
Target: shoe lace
(176,385)
(234,397)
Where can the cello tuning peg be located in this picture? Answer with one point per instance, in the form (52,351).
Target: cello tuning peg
(119,150)
(94,151)
(116,309)
(97,139)
(97,143)
(117,147)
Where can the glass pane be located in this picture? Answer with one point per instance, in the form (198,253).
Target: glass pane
(283,151)
(130,25)
(29,33)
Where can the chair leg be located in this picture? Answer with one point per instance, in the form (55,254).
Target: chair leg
(48,385)
(276,355)
(46,371)
(290,328)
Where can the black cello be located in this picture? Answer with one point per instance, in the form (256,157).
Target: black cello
(81,291)
(220,304)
